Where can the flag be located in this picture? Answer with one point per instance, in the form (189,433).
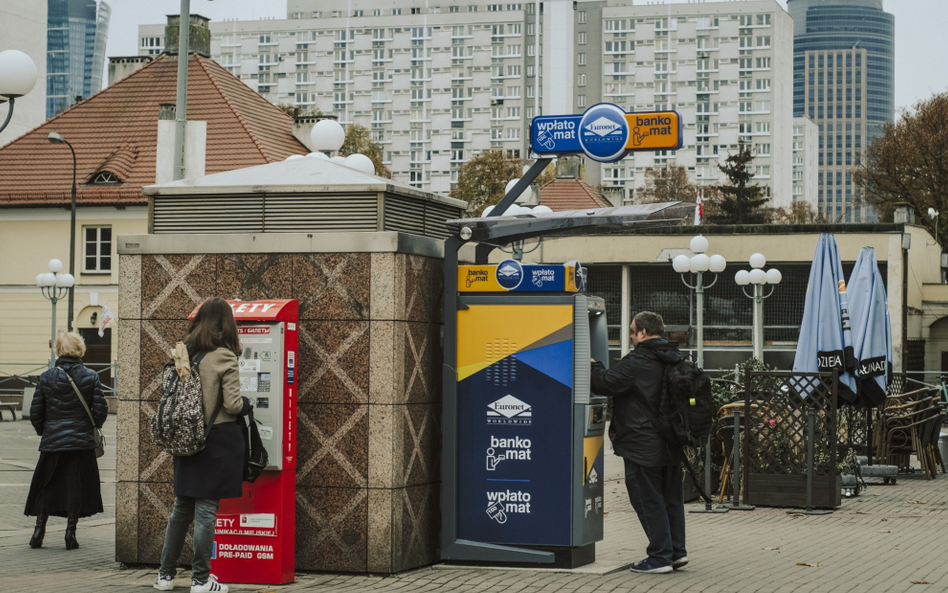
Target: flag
(699,210)
(105,320)
(825,341)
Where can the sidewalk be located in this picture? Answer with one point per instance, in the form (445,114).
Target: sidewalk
(881,541)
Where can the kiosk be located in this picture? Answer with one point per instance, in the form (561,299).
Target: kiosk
(254,540)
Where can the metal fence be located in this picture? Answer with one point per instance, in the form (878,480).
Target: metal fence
(15,376)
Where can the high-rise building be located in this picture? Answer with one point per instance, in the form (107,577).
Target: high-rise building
(843,80)
(75,51)
(440,83)
(805,142)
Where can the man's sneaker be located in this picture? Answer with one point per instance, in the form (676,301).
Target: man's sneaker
(210,585)
(164,582)
(650,565)
(679,563)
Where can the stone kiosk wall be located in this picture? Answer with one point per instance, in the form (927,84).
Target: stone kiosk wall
(369,407)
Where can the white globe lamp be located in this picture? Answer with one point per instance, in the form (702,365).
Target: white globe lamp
(758,276)
(327,135)
(65,280)
(541,209)
(718,263)
(700,263)
(486,211)
(55,265)
(742,278)
(360,162)
(682,264)
(339,160)
(17,74)
(758,260)
(293,157)
(524,195)
(699,244)
(48,279)
(774,276)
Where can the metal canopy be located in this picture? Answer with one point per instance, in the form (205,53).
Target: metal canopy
(500,230)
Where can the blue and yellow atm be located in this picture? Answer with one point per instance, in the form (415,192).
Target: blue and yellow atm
(530,434)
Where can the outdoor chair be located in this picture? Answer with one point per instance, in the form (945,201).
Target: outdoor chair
(910,433)
(896,412)
(725,430)
(932,450)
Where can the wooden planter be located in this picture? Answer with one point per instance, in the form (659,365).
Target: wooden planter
(774,490)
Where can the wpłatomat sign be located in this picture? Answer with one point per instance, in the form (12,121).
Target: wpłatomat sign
(606,133)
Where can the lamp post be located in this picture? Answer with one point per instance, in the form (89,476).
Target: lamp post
(55,138)
(54,286)
(699,264)
(758,278)
(17,78)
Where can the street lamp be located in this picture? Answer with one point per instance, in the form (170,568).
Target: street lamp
(54,286)
(17,78)
(55,138)
(757,277)
(699,264)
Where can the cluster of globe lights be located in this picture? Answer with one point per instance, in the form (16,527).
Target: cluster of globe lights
(53,277)
(757,275)
(327,136)
(516,209)
(700,262)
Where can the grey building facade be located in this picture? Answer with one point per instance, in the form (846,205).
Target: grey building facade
(843,81)
(75,51)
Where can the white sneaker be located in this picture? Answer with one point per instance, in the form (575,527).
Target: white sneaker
(163,583)
(210,585)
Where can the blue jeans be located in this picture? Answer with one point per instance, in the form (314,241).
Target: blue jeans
(655,494)
(204,514)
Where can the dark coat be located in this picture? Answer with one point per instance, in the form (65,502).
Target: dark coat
(56,413)
(638,375)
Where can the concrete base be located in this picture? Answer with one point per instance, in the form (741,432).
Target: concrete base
(564,558)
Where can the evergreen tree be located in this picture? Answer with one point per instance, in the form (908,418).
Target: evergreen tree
(740,202)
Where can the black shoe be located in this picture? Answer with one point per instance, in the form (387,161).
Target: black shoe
(71,523)
(679,563)
(650,565)
(39,532)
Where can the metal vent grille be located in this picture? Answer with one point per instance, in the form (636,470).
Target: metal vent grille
(296,214)
(219,214)
(419,217)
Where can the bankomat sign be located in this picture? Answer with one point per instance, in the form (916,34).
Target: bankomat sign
(606,133)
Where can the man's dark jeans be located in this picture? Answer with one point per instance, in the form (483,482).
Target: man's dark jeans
(655,493)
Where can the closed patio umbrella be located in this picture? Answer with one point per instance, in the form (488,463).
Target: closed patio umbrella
(872,332)
(825,341)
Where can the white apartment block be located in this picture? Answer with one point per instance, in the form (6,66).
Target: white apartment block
(442,81)
(435,83)
(726,67)
(806,137)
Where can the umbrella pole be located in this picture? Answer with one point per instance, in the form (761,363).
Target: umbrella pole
(810,430)
(869,442)
(736,465)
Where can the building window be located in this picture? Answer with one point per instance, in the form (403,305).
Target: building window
(581,60)
(581,39)
(582,80)
(97,249)
(581,101)
(582,16)
(105,178)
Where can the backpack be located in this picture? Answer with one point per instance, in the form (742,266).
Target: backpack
(178,427)
(255,456)
(686,412)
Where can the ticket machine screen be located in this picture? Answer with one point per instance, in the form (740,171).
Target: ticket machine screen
(261,370)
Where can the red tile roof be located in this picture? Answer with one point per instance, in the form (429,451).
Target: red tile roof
(571,194)
(116,130)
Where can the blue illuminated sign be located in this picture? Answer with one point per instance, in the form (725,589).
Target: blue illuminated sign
(604,132)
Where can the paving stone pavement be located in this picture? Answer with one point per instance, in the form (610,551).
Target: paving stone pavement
(880,541)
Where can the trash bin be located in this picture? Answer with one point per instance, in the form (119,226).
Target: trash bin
(27,400)
(943,445)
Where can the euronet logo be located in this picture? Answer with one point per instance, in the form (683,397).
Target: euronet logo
(603,127)
(509,410)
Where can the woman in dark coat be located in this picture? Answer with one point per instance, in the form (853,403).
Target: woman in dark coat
(215,472)
(66,479)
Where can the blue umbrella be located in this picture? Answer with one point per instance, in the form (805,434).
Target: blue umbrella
(872,332)
(825,341)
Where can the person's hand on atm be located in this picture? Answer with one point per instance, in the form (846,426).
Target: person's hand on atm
(247,406)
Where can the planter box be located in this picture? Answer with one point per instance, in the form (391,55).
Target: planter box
(774,490)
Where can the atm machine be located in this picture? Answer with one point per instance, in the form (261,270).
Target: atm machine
(254,539)
(529,465)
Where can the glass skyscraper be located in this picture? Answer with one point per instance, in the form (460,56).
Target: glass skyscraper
(75,51)
(843,80)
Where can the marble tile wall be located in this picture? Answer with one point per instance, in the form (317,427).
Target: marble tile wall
(368,479)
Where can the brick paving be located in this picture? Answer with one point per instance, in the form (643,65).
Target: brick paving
(881,541)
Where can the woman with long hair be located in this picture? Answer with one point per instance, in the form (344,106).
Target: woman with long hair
(66,479)
(215,472)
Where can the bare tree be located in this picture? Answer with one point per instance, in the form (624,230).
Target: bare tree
(666,184)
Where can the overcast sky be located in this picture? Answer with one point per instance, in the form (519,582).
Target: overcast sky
(920,30)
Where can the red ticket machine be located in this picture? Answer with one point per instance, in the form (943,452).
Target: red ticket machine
(254,541)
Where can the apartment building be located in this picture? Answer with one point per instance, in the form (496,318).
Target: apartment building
(440,82)
(436,85)
(805,141)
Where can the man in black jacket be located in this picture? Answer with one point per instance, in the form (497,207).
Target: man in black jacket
(652,477)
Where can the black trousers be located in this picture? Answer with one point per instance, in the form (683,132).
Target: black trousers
(655,494)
